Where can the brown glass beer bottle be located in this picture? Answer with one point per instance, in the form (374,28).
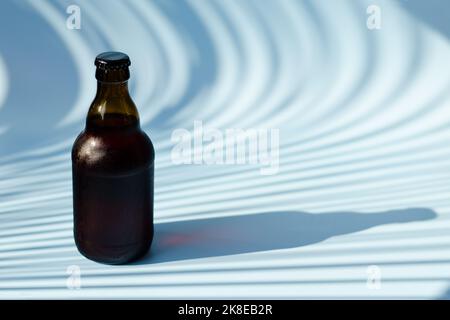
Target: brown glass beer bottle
(113,171)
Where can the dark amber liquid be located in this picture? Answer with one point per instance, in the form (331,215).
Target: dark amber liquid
(112,167)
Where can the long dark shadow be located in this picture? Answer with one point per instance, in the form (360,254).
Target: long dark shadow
(446,295)
(433,12)
(223,236)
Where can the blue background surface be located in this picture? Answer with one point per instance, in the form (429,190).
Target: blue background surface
(363,115)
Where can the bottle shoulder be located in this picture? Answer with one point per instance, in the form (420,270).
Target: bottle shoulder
(113,151)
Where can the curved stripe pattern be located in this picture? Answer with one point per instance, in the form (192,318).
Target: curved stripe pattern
(4,85)
(364,150)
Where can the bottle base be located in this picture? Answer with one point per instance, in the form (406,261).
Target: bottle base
(113,255)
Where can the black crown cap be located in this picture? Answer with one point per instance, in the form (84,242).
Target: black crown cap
(112,60)
(112,66)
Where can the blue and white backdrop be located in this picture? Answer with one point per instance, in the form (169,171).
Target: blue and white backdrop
(360,93)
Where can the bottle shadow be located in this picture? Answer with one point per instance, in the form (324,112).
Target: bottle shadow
(432,12)
(446,295)
(223,236)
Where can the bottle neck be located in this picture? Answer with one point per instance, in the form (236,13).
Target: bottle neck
(112,107)
(108,90)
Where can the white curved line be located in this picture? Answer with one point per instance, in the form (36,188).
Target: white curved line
(81,54)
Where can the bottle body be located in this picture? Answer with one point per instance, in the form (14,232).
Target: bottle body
(112,175)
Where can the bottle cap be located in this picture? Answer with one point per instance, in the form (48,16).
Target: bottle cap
(112,67)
